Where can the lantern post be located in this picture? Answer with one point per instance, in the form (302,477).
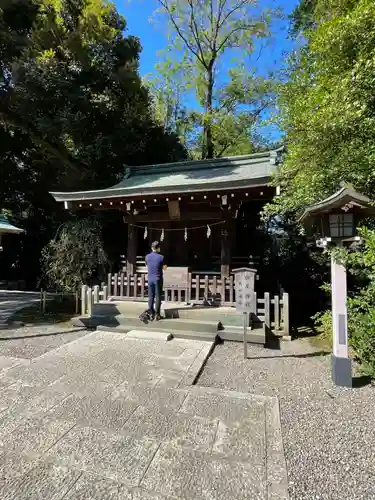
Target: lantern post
(335,221)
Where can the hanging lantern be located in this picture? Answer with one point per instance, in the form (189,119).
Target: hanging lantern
(145,233)
(185,235)
(162,235)
(208,231)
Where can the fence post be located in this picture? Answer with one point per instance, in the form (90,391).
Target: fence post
(96,294)
(77,302)
(277,312)
(44,302)
(286,313)
(115,285)
(41,300)
(89,301)
(83,299)
(109,284)
(267,312)
(105,292)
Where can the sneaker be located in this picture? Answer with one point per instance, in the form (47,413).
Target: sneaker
(158,317)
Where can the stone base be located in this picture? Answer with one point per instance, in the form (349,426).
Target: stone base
(342,371)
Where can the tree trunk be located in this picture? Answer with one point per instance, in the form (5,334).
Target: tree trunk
(208,145)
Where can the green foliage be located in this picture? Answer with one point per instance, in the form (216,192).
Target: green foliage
(327,107)
(203,37)
(73,112)
(74,255)
(362,303)
(323,326)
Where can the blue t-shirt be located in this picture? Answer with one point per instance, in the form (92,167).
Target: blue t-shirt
(155,263)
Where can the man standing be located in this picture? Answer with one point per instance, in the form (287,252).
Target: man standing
(155,266)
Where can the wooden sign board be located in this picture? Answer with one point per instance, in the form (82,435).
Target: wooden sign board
(244,282)
(176,278)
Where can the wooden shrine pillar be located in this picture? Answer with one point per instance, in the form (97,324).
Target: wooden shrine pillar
(226,236)
(225,253)
(132,248)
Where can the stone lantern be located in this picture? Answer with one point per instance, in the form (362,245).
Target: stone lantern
(334,221)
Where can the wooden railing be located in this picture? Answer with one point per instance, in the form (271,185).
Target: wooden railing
(272,311)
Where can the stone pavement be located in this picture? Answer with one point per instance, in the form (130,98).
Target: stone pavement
(12,301)
(104,417)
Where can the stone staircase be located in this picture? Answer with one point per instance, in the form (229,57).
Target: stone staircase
(179,321)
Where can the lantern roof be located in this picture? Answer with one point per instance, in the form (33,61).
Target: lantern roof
(346,199)
(7,227)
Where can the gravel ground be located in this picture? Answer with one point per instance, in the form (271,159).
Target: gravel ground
(28,342)
(328,432)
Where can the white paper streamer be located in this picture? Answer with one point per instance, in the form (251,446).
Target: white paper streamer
(162,235)
(185,235)
(208,231)
(145,233)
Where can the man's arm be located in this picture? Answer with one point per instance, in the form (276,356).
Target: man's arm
(165,267)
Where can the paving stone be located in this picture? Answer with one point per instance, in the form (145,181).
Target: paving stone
(8,362)
(161,397)
(42,482)
(192,475)
(150,422)
(191,432)
(90,487)
(243,439)
(28,399)
(122,458)
(141,494)
(17,394)
(35,435)
(223,406)
(99,413)
(81,387)
(12,468)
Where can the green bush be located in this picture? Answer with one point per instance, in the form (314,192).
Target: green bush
(362,340)
(323,326)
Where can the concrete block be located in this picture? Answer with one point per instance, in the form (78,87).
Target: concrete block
(149,335)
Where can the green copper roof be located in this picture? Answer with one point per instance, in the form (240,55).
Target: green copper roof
(6,227)
(189,176)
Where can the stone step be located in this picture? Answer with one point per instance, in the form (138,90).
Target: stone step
(149,335)
(171,310)
(235,334)
(167,324)
(177,334)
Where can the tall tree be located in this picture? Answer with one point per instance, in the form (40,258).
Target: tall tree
(73,109)
(215,38)
(328,107)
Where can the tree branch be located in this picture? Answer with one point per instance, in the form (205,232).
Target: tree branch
(180,33)
(195,31)
(232,32)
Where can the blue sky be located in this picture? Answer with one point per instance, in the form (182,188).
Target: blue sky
(138,13)
(268,57)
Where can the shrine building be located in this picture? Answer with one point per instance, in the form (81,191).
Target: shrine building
(203,212)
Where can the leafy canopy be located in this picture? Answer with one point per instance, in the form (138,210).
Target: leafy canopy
(328,108)
(210,45)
